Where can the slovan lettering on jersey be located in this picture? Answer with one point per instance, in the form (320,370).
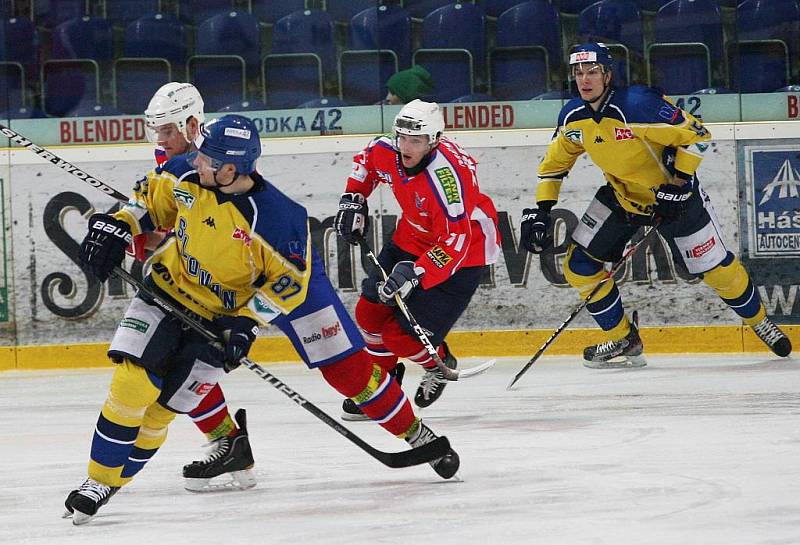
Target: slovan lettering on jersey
(478,116)
(623,133)
(449,184)
(103,130)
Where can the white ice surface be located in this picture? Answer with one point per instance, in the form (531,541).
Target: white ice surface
(690,450)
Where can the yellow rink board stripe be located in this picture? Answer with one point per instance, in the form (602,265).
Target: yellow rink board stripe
(657,340)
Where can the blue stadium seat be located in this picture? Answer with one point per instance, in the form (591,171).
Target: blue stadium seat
(251,105)
(768,36)
(324,102)
(528,43)
(651,5)
(419,9)
(93,109)
(194,12)
(450,53)
(23,112)
(269,11)
(19,42)
(554,95)
(228,48)
(384,27)
(495,8)
(789,89)
(291,79)
(474,97)
(618,24)
(309,31)
(713,91)
(134,80)
(72,74)
(342,11)
(573,7)
(55,12)
(122,12)
(12,85)
(688,42)
(156,36)
(363,75)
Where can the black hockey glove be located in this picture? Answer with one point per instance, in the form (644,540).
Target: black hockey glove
(239,332)
(404,278)
(536,228)
(103,247)
(672,200)
(351,220)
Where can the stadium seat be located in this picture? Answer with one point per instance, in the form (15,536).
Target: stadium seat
(55,12)
(122,12)
(528,43)
(12,85)
(244,106)
(93,109)
(450,54)
(72,74)
(19,42)
(157,35)
(269,11)
(573,7)
(688,42)
(194,12)
(324,102)
(23,112)
(419,9)
(474,97)
(342,11)
(363,75)
(618,24)
(554,95)
(309,31)
(768,36)
(291,79)
(651,5)
(495,8)
(789,89)
(384,27)
(713,91)
(134,80)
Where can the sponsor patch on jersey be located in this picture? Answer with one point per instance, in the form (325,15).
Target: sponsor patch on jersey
(588,221)
(241,234)
(359,172)
(623,133)
(237,133)
(439,257)
(449,184)
(200,388)
(322,333)
(297,253)
(132,323)
(702,249)
(575,135)
(183,197)
(263,308)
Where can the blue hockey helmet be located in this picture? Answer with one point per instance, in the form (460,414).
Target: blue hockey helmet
(591,53)
(230,139)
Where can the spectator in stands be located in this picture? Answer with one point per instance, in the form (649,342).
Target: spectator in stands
(407,85)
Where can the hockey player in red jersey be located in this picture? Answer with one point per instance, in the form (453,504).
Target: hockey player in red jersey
(172,121)
(446,236)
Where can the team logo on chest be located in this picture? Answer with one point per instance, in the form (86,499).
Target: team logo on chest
(576,135)
(623,133)
(419,202)
(183,197)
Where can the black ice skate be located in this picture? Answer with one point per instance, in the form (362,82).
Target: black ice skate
(619,354)
(773,337)
(82,504)
(350,410)
(230,456)
(433,382)
(447,465)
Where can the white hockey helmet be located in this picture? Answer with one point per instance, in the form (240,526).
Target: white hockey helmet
(419,118)
(174,102)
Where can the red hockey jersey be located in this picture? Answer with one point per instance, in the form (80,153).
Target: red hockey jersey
(446,220)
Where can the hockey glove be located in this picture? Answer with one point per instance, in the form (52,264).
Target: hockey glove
(239,332)
(672,200)
(351,220)
(103,247)
(404,278)
(536,228)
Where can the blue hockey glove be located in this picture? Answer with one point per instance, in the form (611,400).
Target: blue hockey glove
(103,247)
(535,229)
(239,332)
(672,200)
(351,220)
(404,278)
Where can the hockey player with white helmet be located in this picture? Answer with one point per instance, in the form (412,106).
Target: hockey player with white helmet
(173,119)
(438,255)
(649,151)
(256,266)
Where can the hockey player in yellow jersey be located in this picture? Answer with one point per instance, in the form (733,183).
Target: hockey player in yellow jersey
(240,257)
(649,151)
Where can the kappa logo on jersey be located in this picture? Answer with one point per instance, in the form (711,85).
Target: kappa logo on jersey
(133,323)
(598,139)
(439,257)
(240,234)
(575,135)
(200,388)
(702,249)
(183,197)
(297,253)
(623,133)
(210,222)
(449,184)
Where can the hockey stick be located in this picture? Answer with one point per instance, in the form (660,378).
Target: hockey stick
(449,374)
(580,307)
(411,457)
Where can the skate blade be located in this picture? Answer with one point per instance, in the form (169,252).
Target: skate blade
(620,362)
(79,518)
(66,514)
(355,417)
(235,480)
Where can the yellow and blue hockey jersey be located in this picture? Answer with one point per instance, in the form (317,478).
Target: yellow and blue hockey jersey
(627,138)
(247,254)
